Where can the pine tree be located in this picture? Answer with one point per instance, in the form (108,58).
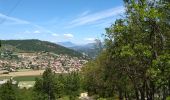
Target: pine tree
(45,87)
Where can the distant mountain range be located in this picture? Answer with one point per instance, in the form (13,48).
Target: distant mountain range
(33,45)
(89,49)
(66,44)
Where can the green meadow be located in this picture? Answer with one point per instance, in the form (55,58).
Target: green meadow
(21,78)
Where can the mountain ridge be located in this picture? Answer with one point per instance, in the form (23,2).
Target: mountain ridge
(66,44)
(35,45)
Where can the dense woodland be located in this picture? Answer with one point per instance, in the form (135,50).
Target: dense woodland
(134,65)
(136,62)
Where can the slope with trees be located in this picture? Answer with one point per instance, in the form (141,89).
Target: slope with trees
(37,46)
(136,62)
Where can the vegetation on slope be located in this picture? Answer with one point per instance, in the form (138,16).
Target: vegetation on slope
(38,46)
(136,62)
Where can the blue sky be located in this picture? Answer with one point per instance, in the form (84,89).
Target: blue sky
(78,21)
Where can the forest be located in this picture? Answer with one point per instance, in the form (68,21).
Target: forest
(136,61)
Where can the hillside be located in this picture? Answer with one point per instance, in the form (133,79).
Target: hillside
(38,46)
(66,44)
(90,49)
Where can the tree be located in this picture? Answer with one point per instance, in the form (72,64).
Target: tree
(137,41)
(137,52)
(97,79)
(45,88)
(72,85)
(8,91)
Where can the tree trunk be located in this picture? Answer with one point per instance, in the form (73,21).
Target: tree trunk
(126,96)
(169,86)
(137,94)
(164,94)
(120,95)
(152,91)
(142,94)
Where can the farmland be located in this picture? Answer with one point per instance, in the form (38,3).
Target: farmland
(23,73)
(25,78)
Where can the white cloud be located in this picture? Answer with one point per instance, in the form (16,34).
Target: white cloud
(36,32)
(90,39)
(30,32)
(43,29)
(84,13)
(54,34)
(12,19)
(68,35)
(89,18)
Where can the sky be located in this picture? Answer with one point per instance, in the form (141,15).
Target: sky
(77,21)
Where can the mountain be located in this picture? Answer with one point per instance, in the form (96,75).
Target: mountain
(67,44)
(90,49)
(34,45)
(83,47)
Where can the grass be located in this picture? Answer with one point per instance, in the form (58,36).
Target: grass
(23,81)
(64,98)
(26,78)
(21,78)
(5,77)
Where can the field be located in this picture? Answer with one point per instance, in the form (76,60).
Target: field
(23,73)
(25,78)
(21,78)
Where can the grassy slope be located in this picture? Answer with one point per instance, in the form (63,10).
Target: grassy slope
(38,46)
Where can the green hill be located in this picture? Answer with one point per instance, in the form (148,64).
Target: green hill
(37,46)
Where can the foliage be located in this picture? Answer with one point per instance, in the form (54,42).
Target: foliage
(72,85)
(25,94)
(45,87)
(8,91)
(135,63)
(52,86)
